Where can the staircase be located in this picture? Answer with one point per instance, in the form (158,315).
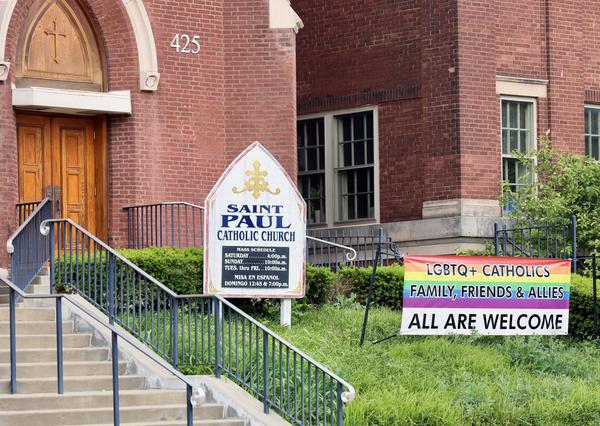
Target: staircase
(87,378)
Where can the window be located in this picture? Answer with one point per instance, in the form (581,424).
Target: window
(592,132)
(518,136)
(311,167)
(355,171)
(337,172)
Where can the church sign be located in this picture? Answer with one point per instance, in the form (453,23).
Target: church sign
(255,230)
(485,295)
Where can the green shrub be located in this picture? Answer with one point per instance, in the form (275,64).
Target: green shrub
(319,285)
(388,286)
(179,269)
(581,311)
(566,185)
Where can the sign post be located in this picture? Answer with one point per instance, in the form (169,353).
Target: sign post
(486,295)
(255,232)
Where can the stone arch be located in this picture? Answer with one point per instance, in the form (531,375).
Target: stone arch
(144,38)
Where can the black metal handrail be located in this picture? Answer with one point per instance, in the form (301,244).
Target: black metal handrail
(171,224)
(28,249)
(24,209)
(198,331)
(371,244)
(192,398)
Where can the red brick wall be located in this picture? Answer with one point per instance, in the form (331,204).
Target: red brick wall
(401,160)
(352,54)
(452,51)
(440,100)
(260,82)
(174,146)
(479,106)
(353,46)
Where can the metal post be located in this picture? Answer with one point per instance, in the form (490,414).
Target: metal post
(574,242)
(217,313)
(595,295)
(190,407)
(13,342)
(340,406)
(51,255)
(266,405)
(496,239)
(59,347)
(370,296)
(174,331)
(111,278)
(115,378)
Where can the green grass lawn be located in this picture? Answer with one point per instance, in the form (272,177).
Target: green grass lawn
(460,380)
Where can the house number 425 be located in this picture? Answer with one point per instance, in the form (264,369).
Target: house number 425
(185,43)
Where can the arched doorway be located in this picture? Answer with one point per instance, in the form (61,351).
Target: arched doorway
(58,49)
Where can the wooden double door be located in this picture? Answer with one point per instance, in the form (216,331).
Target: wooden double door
(65,152)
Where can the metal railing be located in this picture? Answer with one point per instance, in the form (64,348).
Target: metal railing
(24,209)
(205,333)
(553,240)
(371,245)
(191,398)
(181,224)
(168,224)
(28,249)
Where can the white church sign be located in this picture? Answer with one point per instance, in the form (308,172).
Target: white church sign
(255,230)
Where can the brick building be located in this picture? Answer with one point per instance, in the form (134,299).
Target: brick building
(453,87)
(396,112)
(120,102)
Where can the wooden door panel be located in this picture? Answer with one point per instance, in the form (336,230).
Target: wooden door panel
(74,138)
(32,134)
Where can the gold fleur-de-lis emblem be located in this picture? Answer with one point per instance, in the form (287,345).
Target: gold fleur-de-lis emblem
(256,183)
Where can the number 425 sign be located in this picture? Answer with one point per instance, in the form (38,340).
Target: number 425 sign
(185,43)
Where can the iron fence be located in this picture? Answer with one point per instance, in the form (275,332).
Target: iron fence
(324,247)
(28,248)
(24,209)
(552,240)
(181,224)
(168,224)
(201,332)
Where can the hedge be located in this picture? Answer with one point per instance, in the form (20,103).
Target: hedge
(388,286)
(179,269)
(581,312)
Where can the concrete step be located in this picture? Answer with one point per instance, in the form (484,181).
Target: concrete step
(51,401)
(48,369)
(73,384)
(49,355)
(45,341)
(89,415)
(35,327)
(28,314)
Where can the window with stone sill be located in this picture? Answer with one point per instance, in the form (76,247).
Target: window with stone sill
(338,149)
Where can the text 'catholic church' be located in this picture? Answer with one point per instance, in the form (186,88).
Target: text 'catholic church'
(398,113)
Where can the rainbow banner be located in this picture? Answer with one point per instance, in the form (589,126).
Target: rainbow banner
(486,295)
